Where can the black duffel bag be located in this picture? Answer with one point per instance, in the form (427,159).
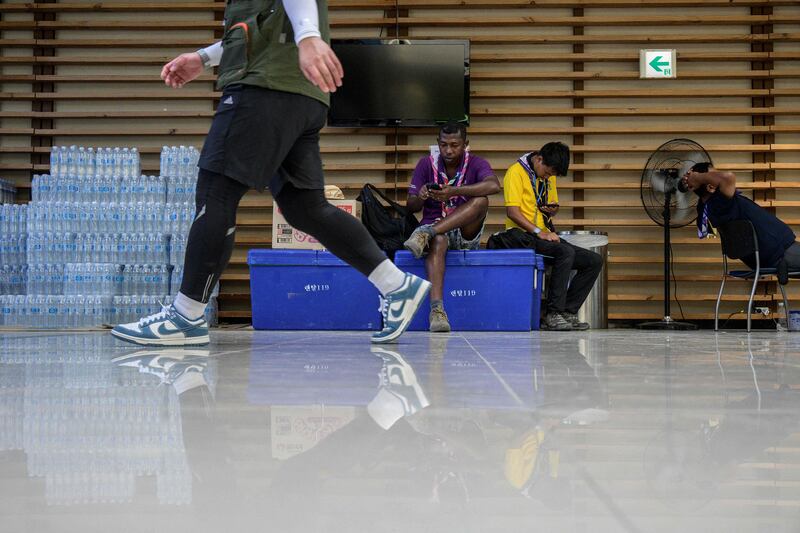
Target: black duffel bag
(389,223)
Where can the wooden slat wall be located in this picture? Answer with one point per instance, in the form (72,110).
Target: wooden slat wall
(87,73)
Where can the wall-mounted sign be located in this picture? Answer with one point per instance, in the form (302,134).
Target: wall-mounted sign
(657,64)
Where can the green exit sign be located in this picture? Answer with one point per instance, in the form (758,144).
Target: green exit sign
(657,64)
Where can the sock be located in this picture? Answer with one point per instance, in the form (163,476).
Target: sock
(437,303)
(429,230)
(387,277)
(191,309)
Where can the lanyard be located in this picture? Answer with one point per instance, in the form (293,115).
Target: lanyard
(440,172)
(440,176)
(540,191)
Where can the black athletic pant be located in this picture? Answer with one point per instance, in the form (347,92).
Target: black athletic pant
(567,257)
(212,236)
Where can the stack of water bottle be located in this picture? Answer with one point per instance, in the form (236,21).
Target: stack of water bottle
(13,246)
(8,193)
(94,246)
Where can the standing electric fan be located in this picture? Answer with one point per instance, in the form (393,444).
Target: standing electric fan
(670,204)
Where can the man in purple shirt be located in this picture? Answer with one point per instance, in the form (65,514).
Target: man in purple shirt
(452,191)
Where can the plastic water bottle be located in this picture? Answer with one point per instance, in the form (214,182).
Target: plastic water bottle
(116,161)
(108,162)
(91,162)
(55,164)
(80,163)
(136,165)
(780,324)
(164,162)
(174,162)
(100,162)
(125,163)
(71,153)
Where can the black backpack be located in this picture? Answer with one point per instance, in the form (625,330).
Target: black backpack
(389,223)
(513,238)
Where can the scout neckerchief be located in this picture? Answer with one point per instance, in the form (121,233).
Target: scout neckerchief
(440,177)
(702,220)
(541,189)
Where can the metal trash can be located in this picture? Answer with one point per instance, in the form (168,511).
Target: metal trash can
(595,308)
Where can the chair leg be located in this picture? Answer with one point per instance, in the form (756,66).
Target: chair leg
(785,305)
(750,302)
(719,297)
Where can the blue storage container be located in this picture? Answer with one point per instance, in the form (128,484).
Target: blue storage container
(484,290)
(309,290)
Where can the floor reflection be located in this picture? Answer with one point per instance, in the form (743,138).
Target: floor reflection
(617,431)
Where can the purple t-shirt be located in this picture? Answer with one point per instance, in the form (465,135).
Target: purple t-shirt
(478,169)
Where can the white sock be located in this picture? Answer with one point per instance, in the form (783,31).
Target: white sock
(191,309)
(387,277)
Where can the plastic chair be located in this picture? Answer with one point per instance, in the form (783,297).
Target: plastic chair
(739,241)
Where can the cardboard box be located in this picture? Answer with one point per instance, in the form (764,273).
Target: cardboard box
(284,236)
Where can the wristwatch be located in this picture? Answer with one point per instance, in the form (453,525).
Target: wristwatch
(204,58)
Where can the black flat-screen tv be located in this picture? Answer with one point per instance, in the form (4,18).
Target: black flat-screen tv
(401,83)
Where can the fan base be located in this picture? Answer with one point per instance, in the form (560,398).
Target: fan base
(667,324)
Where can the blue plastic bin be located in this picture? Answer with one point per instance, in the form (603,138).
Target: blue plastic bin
(484,290)
(309,290)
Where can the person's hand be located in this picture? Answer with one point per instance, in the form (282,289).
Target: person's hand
(443,194)
(182,70)
(549,209)
(693,179)
(424,192)
(548,236)
(320,65)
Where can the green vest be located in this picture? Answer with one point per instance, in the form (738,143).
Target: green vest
(258,48)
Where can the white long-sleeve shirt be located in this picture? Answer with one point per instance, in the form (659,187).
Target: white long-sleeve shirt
(303,15)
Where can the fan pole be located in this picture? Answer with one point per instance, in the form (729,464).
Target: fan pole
(667,241)
(667,322)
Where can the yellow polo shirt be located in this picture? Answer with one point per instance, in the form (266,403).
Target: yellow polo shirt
(518,191)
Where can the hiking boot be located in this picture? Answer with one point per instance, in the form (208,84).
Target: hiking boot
(556,322)
(438,320)
(418,242)
(399,307)
(572,318)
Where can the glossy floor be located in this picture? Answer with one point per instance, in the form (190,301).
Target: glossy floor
(316,432)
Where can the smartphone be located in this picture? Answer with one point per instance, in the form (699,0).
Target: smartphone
(434,187)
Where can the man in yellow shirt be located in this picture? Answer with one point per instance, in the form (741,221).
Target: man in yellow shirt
(531,202)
